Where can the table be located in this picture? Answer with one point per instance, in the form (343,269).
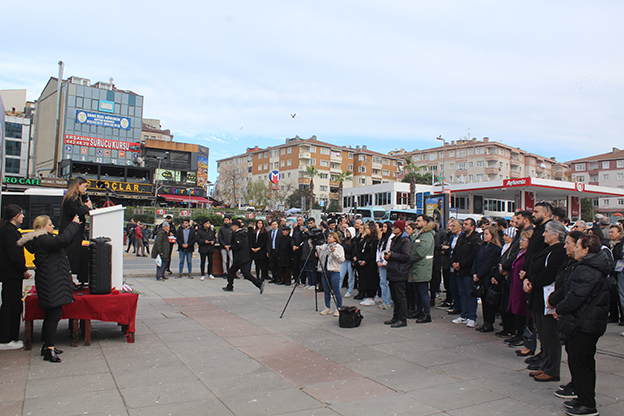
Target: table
(116,307)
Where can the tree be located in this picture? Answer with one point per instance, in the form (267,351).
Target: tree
(259,192)
(312,172)
(344,176)
(294,199)
(587,209)
(413,176)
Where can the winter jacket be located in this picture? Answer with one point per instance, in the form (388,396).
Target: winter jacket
(225,235)
(285,252)
(368,274)
(161,246)
(398,267)
(240,246)
(587,281)
(71,208)
(543,271)
(487,257)
(330,261)
(421,258)
(258,240)
(53,274)
(12,261)
(465,252)
(191,239)
(206,240)
(560,281)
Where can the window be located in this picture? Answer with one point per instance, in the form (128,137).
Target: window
(580,178)
(470,178)
(324,151)
(593,178)
(362,181)
(266,166)
(593,166)
(433,156)
(441,155)
(12,165)
(470,151)
(479,177)
(451,166)
(480,150)
(605,202)
(620,176)
(480,164)
(416,158)
(350,168)
(470,164)
(259,155)
(323,188)
(313,162)
(605,177)
(362,169)
(386,172)
(386,162)
(323,175)
(283,151)
(461,153)
(249,158)
(274,153)
(395,163)
(325,163)
(312,149)
(282,163)
(350,155)
(288,174)
(620,163)
(461,166)
(452,153)
(289,150)
(620,201)
(376,159)
(362,158)
(289,162)
(266,155)
(275,165)
(13,148)
(425,157)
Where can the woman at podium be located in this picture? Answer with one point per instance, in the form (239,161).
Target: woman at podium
(72,206)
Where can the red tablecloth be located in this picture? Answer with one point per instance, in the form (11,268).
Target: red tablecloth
(120,307)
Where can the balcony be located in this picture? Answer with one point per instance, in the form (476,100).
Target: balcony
(491,158)
(514,175)
(335,169)
(492,170)
(305,155)
(335,157)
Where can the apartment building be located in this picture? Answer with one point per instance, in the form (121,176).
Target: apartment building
(606,169)
(468,161)
(291,159)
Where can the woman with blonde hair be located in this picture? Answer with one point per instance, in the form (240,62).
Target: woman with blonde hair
(72,206)
(52,276)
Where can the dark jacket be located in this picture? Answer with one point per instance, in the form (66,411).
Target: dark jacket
(560,281)
(512,252)
(53,274)
(587,281)
(205,239)
(258,240)
(543,271)
(297,237)
(12,261)
(485,262)
(285,251)
(465,252)
(536,243)
(191,239)
(224,236)
(240,246)
(269,241)
(368,274)
(71,208)
(398,267)
(161,246)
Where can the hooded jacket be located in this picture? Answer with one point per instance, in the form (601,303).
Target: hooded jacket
(398,266)
(587,281)
(421,258)
(240,246)
(53,274)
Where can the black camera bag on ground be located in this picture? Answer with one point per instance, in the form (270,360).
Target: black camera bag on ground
(350,317)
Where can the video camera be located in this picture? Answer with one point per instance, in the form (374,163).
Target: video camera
(315,235)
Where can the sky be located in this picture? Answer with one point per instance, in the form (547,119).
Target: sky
(547,77)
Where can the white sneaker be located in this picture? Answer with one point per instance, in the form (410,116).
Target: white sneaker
(347,295)
(13,345)
(378,299)
(459,320)
(326,311)
(311,287)
(368,302)
(337,313)
(202,278)
(471,323)
(211,277)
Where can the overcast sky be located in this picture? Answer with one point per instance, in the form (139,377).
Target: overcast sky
(546,76)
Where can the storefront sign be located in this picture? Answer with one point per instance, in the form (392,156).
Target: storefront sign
(83,141)
(167,175)
(104,120)
(170,190)
(107,106)
(120,186)
(54,182)
(508,183)
(9,180)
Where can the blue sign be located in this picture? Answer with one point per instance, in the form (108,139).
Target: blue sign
(105,120)
(107,106)
(274,176)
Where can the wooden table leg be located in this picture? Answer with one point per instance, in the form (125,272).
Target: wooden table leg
(87,332)
(74,331)
(28,335)
(131,336)
(124,329)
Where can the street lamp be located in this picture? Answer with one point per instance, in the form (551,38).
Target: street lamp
(160,159)
(443,176)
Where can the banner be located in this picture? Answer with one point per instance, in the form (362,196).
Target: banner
(82,141)
(104,120)
(202,171)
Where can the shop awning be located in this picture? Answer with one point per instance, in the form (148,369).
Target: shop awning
(186,198)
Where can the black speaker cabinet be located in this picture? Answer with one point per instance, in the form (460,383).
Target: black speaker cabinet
(100,265)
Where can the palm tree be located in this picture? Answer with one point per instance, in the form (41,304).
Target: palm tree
(344,176)
(312,172)
(411,170)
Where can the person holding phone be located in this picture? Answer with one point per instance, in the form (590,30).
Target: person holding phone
(72,206)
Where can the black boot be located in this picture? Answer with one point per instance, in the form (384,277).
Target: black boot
(56,350)
(50,355)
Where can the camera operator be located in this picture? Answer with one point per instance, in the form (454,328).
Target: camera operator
(307,254)
(331,255)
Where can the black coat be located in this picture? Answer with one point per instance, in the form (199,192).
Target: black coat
(191,239)
(12,261)
(240,246)
(543,271)
(285,252)
(485,262)
(225,235)
(368,274)
(258,240)
(587,281)
(465,252)
(269,241)
(161,245)
(71,208)
(398,267)
(560,281)
(53,274)
(206,240)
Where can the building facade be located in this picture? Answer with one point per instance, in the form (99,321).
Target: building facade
(606,169)
(289,163)
(18,117)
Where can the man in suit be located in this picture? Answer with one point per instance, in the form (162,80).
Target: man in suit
(275,236)
(186,245)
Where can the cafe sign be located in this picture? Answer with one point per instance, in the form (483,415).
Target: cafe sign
(11,180)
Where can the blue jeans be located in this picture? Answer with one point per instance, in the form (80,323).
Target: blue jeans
(345,270)
(334,280)
(454,288)
(383,284)
(422,298)
(469,303)
(188,255)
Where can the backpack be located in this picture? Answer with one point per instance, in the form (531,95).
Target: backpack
(350,317)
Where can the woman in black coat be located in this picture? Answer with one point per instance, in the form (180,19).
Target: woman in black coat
(257,244)
(52,276)
(542,272)
(72,206)
(12,272)
(483,270)
(366,265)
(206,240)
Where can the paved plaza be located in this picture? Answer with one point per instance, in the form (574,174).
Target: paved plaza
(202,351)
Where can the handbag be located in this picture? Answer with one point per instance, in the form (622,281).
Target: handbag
(477,290)
(158,261)
(350,317)
(493,295)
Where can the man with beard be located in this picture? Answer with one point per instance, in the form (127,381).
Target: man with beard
(225,238)
(240,250)
(462,258)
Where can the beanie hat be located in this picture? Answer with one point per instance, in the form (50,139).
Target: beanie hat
(510,232)
(400,224)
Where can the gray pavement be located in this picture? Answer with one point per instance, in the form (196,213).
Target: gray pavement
(200,350)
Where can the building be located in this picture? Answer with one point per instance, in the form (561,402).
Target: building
(289,162)
(606,169)
(469,161)
(153,130)
(18,126)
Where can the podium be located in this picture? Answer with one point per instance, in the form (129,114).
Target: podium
(108,222)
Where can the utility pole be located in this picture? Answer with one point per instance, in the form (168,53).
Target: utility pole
(443,176)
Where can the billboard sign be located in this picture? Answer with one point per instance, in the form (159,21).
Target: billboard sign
(202,171)
(82,141)
(107,106)
(104,120)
